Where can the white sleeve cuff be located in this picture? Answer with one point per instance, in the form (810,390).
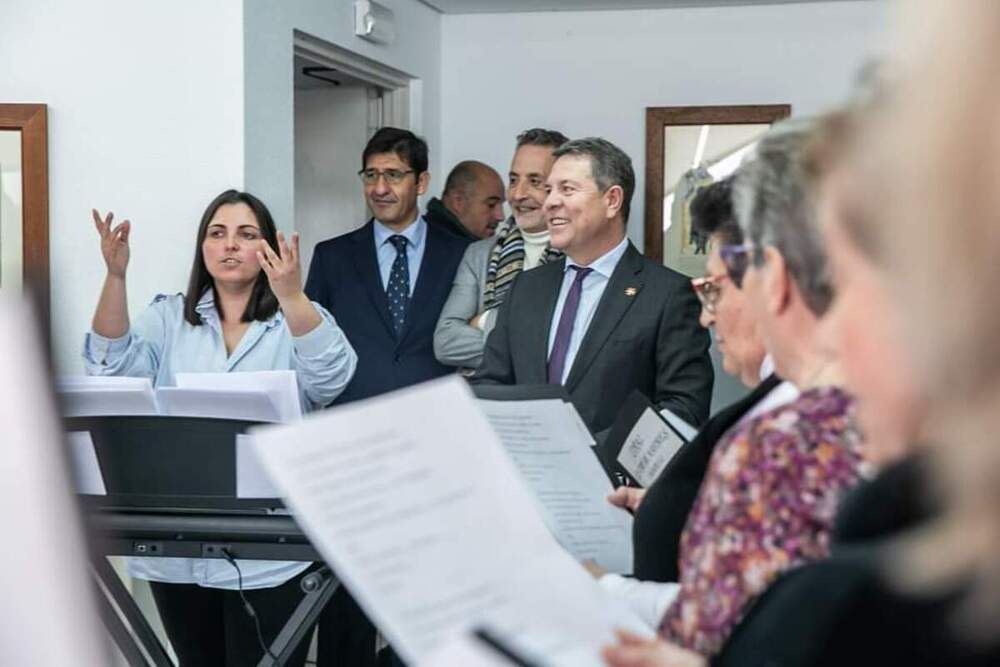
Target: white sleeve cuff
(485,322)
(650,600)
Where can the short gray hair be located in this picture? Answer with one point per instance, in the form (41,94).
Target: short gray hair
(772,197)
(609,166)
(540,136)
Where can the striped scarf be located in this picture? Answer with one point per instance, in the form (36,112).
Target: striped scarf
(506,261)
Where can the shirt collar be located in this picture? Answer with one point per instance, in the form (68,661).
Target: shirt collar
(414,234)
(206,307)
(606,263)
(206,303)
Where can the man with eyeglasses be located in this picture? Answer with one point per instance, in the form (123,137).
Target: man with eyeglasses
(389,280)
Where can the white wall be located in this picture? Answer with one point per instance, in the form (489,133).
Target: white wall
(269,106)
(594,73)
(145,118)
(331,128)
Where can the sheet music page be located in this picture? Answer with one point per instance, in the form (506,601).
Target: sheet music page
(465,651)
(687,431)
(83,459)
(648,449)
(99,396)
(412,500)
(567,479)
(280,386)
(246,405)
(575,417)
(48,614)
(252,480)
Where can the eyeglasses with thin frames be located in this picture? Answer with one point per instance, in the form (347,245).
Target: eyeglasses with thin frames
(736,258)
(708,290)
(392,176)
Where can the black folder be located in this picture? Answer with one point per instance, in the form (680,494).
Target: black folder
(520,392)
(608,450)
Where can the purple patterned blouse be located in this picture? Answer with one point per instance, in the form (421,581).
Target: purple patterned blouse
(767,505)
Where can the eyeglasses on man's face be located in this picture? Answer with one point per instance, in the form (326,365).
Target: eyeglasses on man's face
(392,176)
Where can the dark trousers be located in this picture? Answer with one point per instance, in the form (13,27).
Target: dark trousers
(346,637)
(209,626)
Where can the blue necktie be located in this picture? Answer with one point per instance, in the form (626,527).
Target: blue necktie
(564,332)
(398,289)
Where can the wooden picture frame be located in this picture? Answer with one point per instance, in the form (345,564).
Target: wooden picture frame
(657,120)
(31,120)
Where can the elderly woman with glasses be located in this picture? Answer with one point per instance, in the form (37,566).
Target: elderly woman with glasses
(769,497)
(661,512)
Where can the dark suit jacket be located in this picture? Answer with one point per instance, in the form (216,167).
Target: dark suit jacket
(644,335)
(344,277)
(660,519)
(436,213)
(844,611)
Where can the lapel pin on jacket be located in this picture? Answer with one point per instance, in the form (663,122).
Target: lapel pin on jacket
(631,291)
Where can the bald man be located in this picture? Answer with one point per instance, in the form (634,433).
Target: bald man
(471,205)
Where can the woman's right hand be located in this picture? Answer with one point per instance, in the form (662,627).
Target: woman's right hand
(114,243)
(627,497)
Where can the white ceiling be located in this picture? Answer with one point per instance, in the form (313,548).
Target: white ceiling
(498,6)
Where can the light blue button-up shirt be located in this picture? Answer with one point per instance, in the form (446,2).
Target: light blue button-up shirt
(161,343)
(416,237)
(590,295)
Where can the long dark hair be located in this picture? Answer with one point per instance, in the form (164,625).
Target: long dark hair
(263,304)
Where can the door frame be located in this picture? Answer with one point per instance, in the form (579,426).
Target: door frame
(400,101)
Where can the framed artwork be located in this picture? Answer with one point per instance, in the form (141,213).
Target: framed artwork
(686,149)
(24,202)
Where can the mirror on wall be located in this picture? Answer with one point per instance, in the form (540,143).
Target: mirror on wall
(11,214)
(24,197)
(686,149)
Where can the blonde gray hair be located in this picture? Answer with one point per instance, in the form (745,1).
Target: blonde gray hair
(774,205)
(937,155)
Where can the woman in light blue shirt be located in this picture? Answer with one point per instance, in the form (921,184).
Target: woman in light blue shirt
(244,310)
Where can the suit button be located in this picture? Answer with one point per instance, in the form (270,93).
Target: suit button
(395,359)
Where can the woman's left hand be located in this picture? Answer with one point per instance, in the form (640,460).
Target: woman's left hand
(635,651)
(283,271)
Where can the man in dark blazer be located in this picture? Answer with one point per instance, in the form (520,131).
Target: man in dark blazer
(605,320)
(349,274)
(387,283)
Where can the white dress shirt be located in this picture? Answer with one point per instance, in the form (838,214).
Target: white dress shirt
(592,290)
(415,234)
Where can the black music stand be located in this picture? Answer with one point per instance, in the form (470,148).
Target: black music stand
(171,492)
